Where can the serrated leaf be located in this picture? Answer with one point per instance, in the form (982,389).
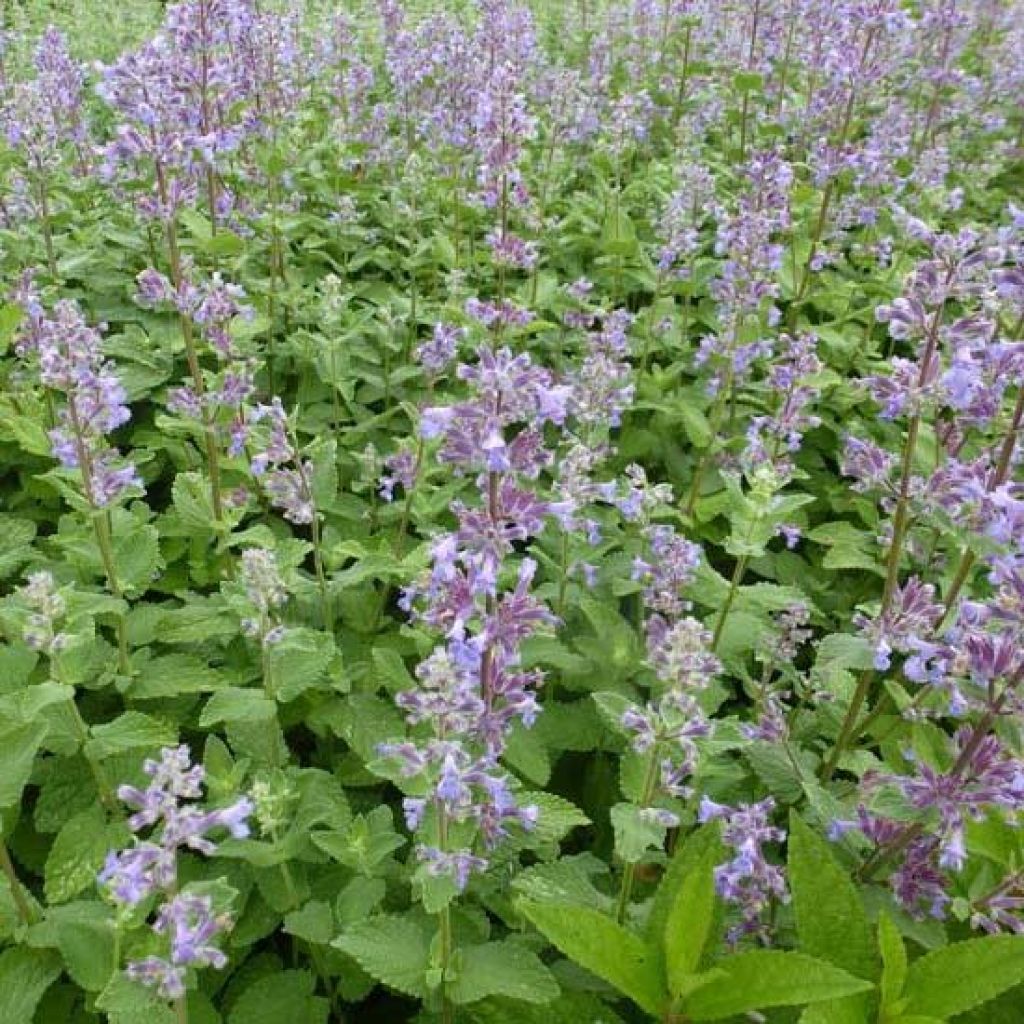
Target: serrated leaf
(844,650)
(393,950)
(830,917)
(16,536)
(635,835)
(957,978)
(190,493)
(173,675)
(501,969)
(85,938)
(763,978)
(526,755)
(137,556)
(300,661)
(25,974)
(18,746)
(690,923)
(129,1001)
(604,948)
(314,922)
(236,704)
(566,880)
(894,960)
(131,731)
(78,853)
(704,843)
(281,996)
(556,817)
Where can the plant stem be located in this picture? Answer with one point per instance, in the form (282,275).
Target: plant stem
(826,195)
(746,92)
(44,215)
(734,585)
(901,521)
(25,910)
(1000,474)
(629,873)
(849,725)
(715,423)
(103,786)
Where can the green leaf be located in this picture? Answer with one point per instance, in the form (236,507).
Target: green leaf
(853,1010)
(634,834)
(314,923)
(128,1002)
(689,923)
(300,661)
(556,817)
(85,938)
(191,496)
(391,949)
(368,841)
(281,996)
(956,978)
(236,704)
(830,917)
(137,556)
(844,650)
(16,536)
(25,974)
(604,948)
(763,978)
(10,318)
(502,969)
(18,747)
(747,81)
(131,731)
(526,754)
(894,960)
(704,843)
(173,675)
(78,853)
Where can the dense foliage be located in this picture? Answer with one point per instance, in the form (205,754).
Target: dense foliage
(512,513)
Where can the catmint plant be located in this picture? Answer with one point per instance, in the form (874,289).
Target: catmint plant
(185,920)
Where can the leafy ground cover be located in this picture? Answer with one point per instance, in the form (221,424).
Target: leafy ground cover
(512,513)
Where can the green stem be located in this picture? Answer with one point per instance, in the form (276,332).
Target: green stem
(102,525)
(103,786)
(849,726)
(734,585)
(715,423)
(447,1009)
(826,196)
(25,910)
(1000,474)
(326,611)
(196,373)
(629,873)
(44,215)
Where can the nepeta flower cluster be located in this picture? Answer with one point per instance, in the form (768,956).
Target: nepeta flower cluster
(185,919)
(67,354)
(667,728)
(47,609)
(266,592)
(749,880)
(472,690)
(281,469)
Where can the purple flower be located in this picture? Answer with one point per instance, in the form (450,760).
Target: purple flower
(185,919)
(437,354)
(70,361)
(748,881)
